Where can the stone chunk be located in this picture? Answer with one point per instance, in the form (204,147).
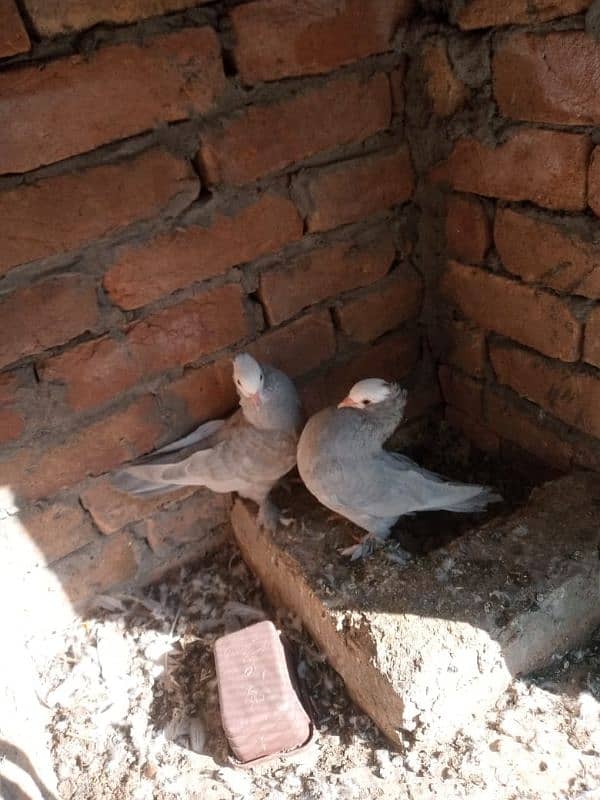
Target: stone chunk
(426,648)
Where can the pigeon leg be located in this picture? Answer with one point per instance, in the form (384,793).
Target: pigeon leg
(365,547)
(270,517)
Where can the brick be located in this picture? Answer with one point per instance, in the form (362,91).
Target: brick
(491,13)
(531,317)
(573,397)
(353,190)
(98,371)
(75,104)
(510,422)
(461,345)
(13,36)
(12,422)
(468,229)
(445,91)
(299,347)
(539,251)
(42,471)
(178,335)
(47,314)
(52,17)
(461,391)
(59,214)
(268,138)
(424,661)
(481,436)
(552,78)
(206,393)
(587,454)
(279,38)
(324,273)
(387,305)
(145,272)
(397,78)
(391,358)
(112,510)
(594,182)
(42,534)
(591,346)
(97,567)
(93,372)
(548,168)
(187,521)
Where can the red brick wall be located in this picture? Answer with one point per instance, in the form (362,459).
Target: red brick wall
(514,178)
(174,189)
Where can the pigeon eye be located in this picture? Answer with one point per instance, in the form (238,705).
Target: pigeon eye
(366,402)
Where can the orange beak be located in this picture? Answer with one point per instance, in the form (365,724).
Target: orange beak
(347,403)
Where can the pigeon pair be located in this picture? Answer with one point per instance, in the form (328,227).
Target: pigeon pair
(339,453)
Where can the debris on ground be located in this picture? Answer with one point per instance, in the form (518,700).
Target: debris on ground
(135,712)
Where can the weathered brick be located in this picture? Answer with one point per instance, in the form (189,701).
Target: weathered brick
(552,78)
(324,273)
(591,346)
(12,422)
(145,272)
(75,104)
(279,38)
(387,305)
(461,391)
(93,372)
(573,397)
(353,190)
(468,229)
(532,317)
(267,138)
(44,315)
(547,167)
(57,529)
(40,535)
(446,92)
(97,567)
(111,510)
(491,13)
(397,77)
(514,424)
(187,521)
(481,436)
(195,327)
(391,359)
(461,345)
(587,453)
(13,36)
(52,17)
(60,214)
(540,251)
(594,182)
(42,470)
(97,371)
(298,347)
(207,392)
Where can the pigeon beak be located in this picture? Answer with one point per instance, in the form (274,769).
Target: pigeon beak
(347,403)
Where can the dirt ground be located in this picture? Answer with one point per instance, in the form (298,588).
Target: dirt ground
(135,712)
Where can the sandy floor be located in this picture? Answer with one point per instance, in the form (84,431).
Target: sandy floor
(135,714)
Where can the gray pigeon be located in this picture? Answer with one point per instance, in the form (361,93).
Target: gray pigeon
(247,454)
(342,462)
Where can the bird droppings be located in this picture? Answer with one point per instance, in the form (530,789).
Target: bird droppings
(135,712)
